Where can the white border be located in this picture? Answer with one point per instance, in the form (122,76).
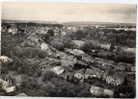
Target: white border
(82,1)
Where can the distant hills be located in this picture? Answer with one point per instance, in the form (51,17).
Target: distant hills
(26,21)
(94,23)
(65,23)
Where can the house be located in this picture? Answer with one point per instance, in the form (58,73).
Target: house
(94,73)
(6,86)
(116,79)
(99,91)
(58,70)
(12,29)
(96,91)
(78,43)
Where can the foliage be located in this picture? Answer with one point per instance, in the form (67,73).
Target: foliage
(37,82)
(48,75)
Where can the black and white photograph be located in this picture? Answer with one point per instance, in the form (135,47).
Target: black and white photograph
(68,49)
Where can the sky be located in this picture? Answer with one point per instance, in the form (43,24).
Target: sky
(66,12)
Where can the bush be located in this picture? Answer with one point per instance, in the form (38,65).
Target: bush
(48,75)
(62,42)
(89,45)
(57,43)
(78,35)
(67,41)
(31,87)
(63,88)
(83,90)
(28,52)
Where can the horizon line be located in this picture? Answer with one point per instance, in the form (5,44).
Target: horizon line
(35,21)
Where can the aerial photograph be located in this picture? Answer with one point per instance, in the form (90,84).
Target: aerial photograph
(68,49)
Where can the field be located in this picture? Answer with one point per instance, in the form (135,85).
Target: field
(66,60)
